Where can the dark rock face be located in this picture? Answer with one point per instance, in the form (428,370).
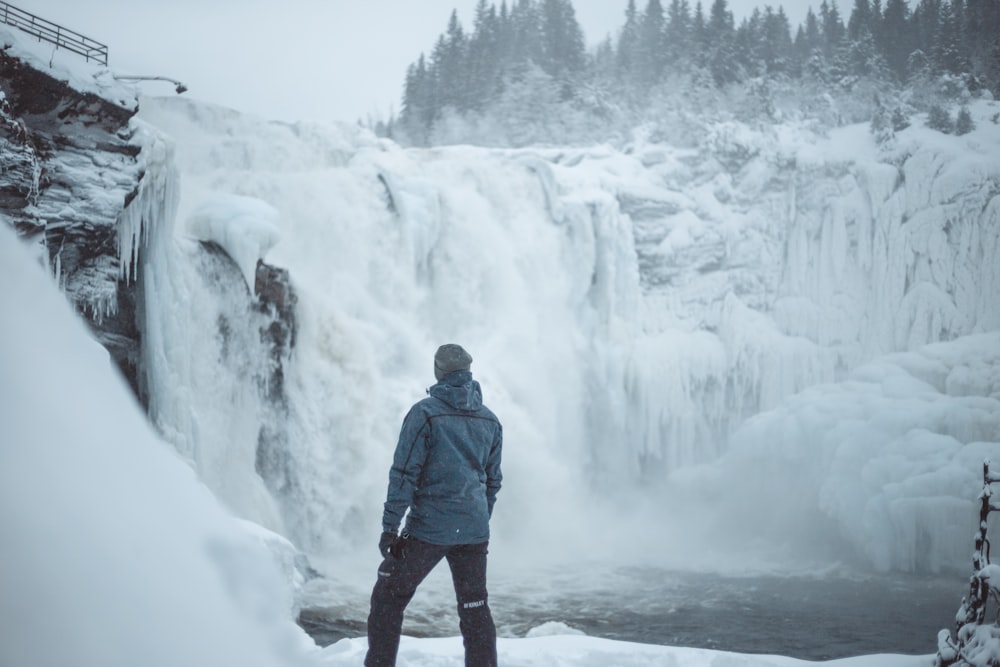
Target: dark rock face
(276,301)
(67,170)
(276,298)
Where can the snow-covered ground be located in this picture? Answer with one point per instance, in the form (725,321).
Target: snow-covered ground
(567,650)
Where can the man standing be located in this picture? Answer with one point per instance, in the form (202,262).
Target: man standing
(446,472)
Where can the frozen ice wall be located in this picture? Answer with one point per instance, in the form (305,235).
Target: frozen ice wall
(627,309)
(774,259)
(883,468)
(897,253)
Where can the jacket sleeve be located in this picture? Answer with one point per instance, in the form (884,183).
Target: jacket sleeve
(493,475)
(408,461)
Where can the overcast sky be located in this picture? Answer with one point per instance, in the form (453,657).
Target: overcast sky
(297,59)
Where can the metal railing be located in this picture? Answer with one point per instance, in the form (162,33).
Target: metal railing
(51,32)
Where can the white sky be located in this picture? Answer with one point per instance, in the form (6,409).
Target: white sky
(296,59)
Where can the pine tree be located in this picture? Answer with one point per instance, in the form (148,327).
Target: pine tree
(419,105)
(896,38)
(982,19)
(777,42)
(948,54)
(699,34)
(678,31)
(604,62)
(448,62)
(720,34)
(924,25)
(860,20)
(939,119)
(992,68)
(628,41)
(831,28)
(800,52)
(749,45)
(865,58)
(505,36)
(563,51)
(864,33)
(876,19)
(900,121)
(652,50)
(814,39)
(484,57)
(881,124)
(964,124)
(526,32)
(808,47)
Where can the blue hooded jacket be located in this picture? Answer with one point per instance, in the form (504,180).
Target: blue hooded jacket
(446,468)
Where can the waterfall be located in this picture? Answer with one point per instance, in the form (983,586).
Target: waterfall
(628,310)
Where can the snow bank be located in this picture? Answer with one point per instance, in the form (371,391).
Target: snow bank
(114,553)
(577,651)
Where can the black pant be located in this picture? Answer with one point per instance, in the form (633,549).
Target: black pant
(398,579)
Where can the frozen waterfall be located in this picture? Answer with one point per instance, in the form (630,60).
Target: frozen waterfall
(628,310)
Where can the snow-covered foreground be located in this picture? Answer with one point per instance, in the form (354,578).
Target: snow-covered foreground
(115,554)
(577,651)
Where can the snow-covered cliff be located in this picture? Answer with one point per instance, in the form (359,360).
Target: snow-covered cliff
(68,166)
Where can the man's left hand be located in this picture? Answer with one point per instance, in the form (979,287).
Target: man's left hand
(387,543)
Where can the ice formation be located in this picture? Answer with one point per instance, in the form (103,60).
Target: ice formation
(628,311)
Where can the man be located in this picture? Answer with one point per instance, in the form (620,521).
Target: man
(446,472)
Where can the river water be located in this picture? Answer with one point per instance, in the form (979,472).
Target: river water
(805,616)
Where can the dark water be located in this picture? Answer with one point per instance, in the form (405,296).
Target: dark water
(814,618)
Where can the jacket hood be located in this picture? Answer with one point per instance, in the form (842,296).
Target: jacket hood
(458,390)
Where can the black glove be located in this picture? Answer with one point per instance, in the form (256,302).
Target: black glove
(391,544)
(386,544)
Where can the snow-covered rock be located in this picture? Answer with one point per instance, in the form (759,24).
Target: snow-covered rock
(69,167)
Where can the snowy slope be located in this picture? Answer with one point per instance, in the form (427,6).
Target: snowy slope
(114,552)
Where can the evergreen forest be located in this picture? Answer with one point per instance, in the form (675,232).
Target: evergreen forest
(523,73)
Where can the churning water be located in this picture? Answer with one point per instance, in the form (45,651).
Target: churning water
(808,617)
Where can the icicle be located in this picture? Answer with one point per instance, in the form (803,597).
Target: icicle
(36,175)
(155,200)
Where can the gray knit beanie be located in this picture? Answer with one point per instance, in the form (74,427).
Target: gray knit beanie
(450,358)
